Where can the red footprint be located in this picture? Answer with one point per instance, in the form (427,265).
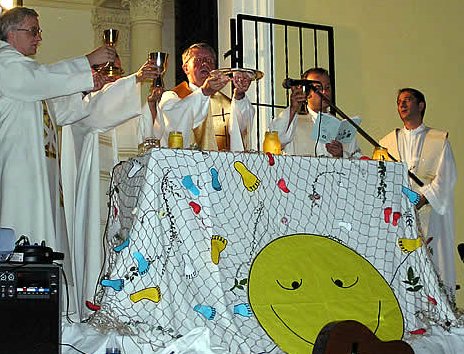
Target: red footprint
(91,306)
(386,214)
(195,207)
(271,159)
(283,186)
(396,217)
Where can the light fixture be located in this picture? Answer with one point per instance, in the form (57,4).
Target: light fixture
(8,4)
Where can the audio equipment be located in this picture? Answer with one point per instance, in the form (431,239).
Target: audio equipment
(30,308)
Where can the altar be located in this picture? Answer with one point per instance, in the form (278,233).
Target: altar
(188,234)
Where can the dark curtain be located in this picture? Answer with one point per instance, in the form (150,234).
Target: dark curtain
(195,21)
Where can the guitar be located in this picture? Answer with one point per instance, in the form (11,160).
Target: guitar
(352,337)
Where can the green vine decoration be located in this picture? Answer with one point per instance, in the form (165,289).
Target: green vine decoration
(239,284)
(412,281)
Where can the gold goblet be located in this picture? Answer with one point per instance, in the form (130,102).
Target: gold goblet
(110,37)
(160,61)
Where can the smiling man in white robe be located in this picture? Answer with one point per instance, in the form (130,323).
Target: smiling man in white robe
(29,172)
(199,110)
(31,199)
(427,153)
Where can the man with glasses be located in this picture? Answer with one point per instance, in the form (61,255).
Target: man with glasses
(30,193)
(427,153)
(206,117)
(294,127)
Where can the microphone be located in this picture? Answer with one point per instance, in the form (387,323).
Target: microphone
(288,83)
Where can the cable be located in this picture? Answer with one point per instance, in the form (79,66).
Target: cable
(67,292)
(71,346)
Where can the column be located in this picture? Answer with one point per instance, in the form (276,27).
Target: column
(146,20)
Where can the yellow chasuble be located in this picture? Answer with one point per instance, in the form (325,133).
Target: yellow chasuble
(213,133)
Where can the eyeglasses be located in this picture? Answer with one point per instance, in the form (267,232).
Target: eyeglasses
(34,31)
(201,60)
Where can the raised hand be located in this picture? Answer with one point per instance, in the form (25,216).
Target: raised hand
(242,81)
(214,83)
(297,97)
(101,55)
(147,72)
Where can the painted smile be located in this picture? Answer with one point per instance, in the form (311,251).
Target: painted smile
(312,343)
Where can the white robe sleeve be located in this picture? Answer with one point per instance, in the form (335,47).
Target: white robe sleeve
(146,127)
(241,113)
(285,129)
(24,79)
(183,115)
(440,191)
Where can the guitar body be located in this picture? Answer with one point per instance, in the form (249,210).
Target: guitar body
(352,337)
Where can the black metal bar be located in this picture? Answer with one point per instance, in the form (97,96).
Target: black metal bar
(233,43)
(331,68)
(282,22)
(316,59)
(300,42)
(286,61)
(239,43)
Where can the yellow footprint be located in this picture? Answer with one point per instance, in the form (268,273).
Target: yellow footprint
(250,181)
(408,245)
(152,294)
(218,244)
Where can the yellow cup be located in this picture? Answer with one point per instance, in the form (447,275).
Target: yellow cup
(272,143)
(381,154)
(175,140)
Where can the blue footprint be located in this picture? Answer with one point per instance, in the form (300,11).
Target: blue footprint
(243,310)
(188,183)
(215,180)
(121,246)
(413,197)
(116,284)
(207,311)
(143,264)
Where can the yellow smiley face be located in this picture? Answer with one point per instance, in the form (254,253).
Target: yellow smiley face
(299,283)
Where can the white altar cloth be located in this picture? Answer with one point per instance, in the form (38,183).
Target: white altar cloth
(164,280)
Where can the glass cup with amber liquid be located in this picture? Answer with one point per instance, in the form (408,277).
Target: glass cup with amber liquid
(175,140)
(272,143)
(381,154)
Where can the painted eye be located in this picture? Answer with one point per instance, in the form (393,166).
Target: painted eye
(293,286)
(341,284)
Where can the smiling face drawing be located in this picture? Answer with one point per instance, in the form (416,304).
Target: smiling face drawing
(299,283)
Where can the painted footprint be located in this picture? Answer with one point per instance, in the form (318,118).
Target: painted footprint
(215,179)
(386,214)
(250,181)
(116,284)
(270,158)
(121,246)
(143,264)
(152,294)
(207,311)
(283,185)
(187,182)
(408,245)
(413,197)
(218,244)
(189,269)
(243,310)
(196,208)
(396,218)
(345,225)
(136,167)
